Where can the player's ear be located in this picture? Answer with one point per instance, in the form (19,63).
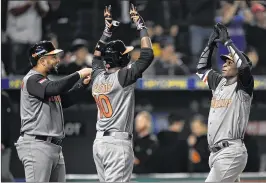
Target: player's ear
(42,61)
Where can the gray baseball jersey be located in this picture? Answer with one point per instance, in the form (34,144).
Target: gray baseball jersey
(115,104)
(230,105)
(114,93)
(229,113)
(40,116)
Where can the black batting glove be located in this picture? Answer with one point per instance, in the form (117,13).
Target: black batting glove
(110,24)
(213,38)
(223,33)
(136,18)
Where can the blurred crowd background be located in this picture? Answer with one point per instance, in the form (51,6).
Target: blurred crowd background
(179,30)
(170,131)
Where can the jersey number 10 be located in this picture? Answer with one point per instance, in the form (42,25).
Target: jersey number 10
(104,106)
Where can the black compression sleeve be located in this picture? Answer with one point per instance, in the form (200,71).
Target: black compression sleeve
(62,85)
(128,75)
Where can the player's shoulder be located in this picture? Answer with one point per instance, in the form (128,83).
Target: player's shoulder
(36,77)
(221,84)
(105,77)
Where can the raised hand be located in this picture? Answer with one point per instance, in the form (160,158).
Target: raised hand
(213,37)
(108,16)
(87,80)
(223,33)
(110,24)
(136,18)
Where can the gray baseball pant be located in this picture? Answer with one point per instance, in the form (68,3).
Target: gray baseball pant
(43,161)
(113,157)
(227,164)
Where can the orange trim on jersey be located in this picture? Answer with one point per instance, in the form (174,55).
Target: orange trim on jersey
(102,109)
(109,111)
(205,79)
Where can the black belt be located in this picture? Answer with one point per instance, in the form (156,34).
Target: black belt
(107,133)
(221,145)
(217,148)
(54,140)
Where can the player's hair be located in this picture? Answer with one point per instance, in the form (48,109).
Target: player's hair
(200,118)
(146,114)
(175,117)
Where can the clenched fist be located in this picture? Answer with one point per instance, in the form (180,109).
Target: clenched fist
(85,72)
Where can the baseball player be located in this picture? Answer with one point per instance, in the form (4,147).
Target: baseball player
(230,107)
(42,124)
(113,90)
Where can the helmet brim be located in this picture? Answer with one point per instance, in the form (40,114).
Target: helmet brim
(225,57)
(128,49)
(54,52)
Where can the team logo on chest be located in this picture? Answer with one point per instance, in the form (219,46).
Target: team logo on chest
(220,103)
(102,88)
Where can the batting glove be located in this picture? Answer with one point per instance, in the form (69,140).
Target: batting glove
(223,33)
(137,19)
(110,24)
(213,37)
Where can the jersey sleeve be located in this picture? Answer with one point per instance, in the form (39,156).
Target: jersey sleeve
(42,87)
(204,69)
(211,78)
(129,75)
(247,88)
(36,85)
(97,67)
(73,95)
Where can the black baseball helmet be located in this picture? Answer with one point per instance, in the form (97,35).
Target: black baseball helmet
(116,54)
(43,48)
(230,57)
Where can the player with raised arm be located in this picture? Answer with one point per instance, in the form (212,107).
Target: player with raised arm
(113,81)
(230,107)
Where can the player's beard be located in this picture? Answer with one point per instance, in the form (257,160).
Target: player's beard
(53,70)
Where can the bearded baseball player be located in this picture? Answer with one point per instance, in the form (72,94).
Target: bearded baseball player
(113,89)
(230,107)
(42,123)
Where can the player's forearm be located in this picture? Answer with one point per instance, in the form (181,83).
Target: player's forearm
(238,57)
(244,72)
(145,59)
(145,39)
(105,38)
(62,85)
(205,60)
(71,97)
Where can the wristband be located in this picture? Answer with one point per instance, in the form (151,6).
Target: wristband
(100,45)
(227,42)
(144,33)
(80,75)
